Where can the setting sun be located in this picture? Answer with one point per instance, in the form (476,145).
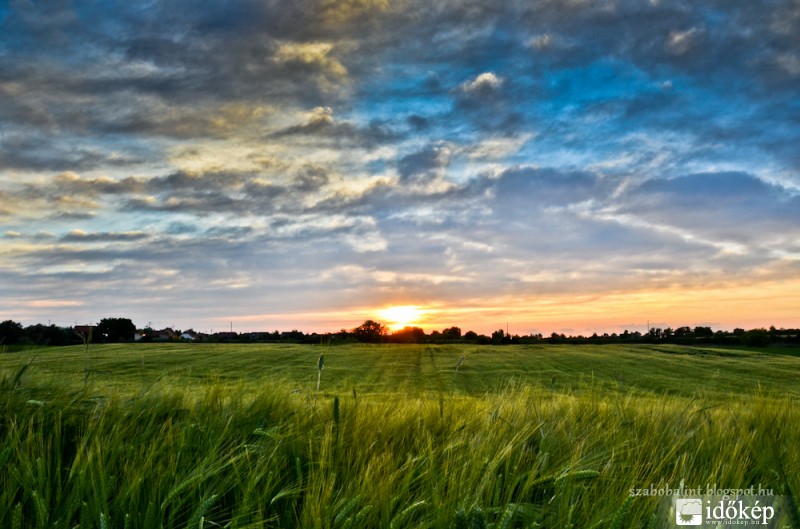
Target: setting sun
(401,316)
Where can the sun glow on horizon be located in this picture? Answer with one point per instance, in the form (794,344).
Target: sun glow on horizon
(401,316)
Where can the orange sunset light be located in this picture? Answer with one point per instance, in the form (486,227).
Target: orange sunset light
(401,316)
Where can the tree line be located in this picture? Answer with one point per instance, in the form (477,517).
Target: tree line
(115,330)
(371,331)
(110,330)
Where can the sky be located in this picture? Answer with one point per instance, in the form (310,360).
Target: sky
(569,166)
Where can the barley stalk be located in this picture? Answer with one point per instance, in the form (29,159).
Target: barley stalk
(399,520)
(16,517)
(41,510)
(621,514)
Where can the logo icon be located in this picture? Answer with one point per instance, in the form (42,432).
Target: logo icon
(688,511)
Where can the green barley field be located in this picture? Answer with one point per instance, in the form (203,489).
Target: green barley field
(397,436)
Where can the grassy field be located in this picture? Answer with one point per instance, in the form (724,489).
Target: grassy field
(200,436)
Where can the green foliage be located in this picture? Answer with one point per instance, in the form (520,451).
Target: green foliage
(709,373)
(460,519)
(619,517)
(16,517)
(187,439)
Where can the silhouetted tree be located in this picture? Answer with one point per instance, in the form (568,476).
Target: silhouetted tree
(755,338)
(10,332)
(452,333)
(47,334)
(684,335)
(499,336)
(116,329)
(703,332)
(471,336)
(408,335)
(370,331)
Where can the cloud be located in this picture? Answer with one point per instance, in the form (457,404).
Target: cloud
(320,124)
(550,187)
(82,236)
(483,85)
(335,12)
(789,62)
(25,153)
(312,54)
(154,117)
(733,211)
(681,42)
(315,58)
(52,303)
(541,42)
(426,165)
(486,105)
(498,148)
(320,119)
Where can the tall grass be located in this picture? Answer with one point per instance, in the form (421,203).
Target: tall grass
(232,456)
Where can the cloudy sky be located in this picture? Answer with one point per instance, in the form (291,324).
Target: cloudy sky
(553,165)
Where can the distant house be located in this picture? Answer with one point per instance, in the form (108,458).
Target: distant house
(85,330)
(189,335)
(163,335)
